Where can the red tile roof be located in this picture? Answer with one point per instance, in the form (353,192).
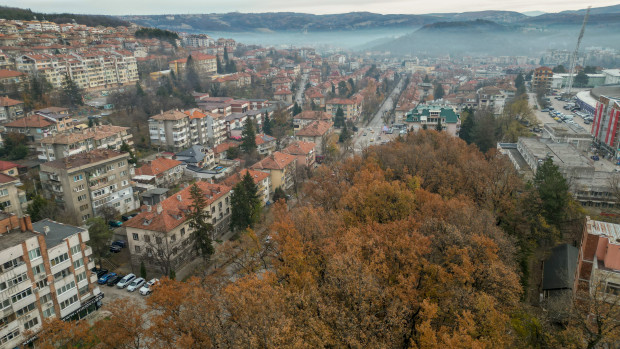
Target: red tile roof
(174,209)
(30,121)
(157,167)
(6,165)
(10,73)
(276,161)
(8,102)
(6,178)
(315,128)
(300,148)
(257,176)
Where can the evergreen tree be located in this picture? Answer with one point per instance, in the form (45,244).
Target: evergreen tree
(467,125)
(424,127)
(279,194)
(139,91)
(559,69)
(220,70)
(552,188)
(191,76)
(439,92)
(296,109)
(344,134)
(199,220)
(519,81)
(248,138)
(333,89)
(352,85)
(484,131)
(426,79)
(339,120)
(71,93)
(142,270)
(127,149)
(439,125)
(267,126)
(581,79)
(245,204)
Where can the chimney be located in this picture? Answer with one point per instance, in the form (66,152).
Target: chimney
(148,208)
(179,197)
(28,222)
(46,230)
(22,224)
(159,209)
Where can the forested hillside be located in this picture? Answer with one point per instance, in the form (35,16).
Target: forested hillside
(89,20)
(420,243)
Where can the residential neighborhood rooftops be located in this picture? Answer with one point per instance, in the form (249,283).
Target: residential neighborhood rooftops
(8,102)
(315,128)
(313,115)
(31,121)
(300,148)
(276,161)
(172,114)
(7,165)
(4,73)
(157,167)
(173,211)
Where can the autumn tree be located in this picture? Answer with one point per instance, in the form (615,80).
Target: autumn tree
(124,327)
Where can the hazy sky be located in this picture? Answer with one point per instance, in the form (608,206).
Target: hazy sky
(122,7)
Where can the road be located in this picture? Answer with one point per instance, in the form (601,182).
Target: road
(545,118)
(300,91)
(371,134)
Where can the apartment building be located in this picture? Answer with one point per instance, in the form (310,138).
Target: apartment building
(281,168)
(605,124)
(97,137)
(316,132)
(198,126)
(44,273)
(34,127)
(82,184)
(430,115)
(198,40)
(260,178)
(161,234)
(12,199)
(10,109)
(159,172)
(170,130)
(542,78)
(203,64)
(350,107)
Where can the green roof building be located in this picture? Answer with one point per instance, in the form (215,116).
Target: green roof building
(429,115)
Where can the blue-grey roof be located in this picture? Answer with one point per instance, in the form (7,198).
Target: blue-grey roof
(559,270)
(56,233)
(192,155)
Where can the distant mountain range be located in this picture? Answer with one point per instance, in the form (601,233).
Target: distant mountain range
(291,21)
(90,20)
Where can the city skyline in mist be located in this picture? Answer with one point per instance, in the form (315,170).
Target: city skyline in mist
(146,7)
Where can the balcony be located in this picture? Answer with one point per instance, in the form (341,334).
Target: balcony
(88,251)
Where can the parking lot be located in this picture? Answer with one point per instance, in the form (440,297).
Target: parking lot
(545,117)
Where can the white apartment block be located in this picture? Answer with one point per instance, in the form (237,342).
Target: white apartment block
(44,273)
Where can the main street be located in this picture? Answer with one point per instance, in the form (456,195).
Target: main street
(371,133)
(300,91)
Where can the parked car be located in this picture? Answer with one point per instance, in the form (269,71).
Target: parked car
(113,281)
(120,243)
(545,110)
(101,272)
(126,281)
(147,288)
(595,157)
(115,248)
(104,279)
(135,284)
(115,224)
(128,216)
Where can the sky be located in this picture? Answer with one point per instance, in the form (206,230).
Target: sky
(133,7)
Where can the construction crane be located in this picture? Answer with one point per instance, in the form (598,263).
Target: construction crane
(573,60)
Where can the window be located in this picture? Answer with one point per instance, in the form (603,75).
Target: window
(147,238)
(77,178)
(38,269)
(75,249)
(128,200)
(78,263)
(42,283)
(5,204)
(25,310)
(5,304)
(55,261)
(135,237)
(79,188)
(34,254)
(30,324)
(65,288)
(46,298)
(9,336)
(68,302)
(613,288)
(61,274)
(85,217)
(158,240)
(137,249)
(21,295)
(182,232)
(4,192)
(81,276)
(12,263)
(84,290)
(13,281)
(48,312)
(82,197)
(173,238)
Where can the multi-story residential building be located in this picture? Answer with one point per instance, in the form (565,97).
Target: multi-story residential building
(197,156)
(351,108)
(430,115)
(305,152)
(10,109)
(260,178)
(598,261)
(491,97)
(265,144)
(97,137)
(159,172)
(34,127)
(82,184)
(316,132)
(307,116)
(542,78)
(198,40)
(45,273)
(12,199)
(11,80)
(171,130)
(198,126)
(605,124)
(160,236)
(9,168)
(216,128)
(59,116)
(203,64)
(281,168)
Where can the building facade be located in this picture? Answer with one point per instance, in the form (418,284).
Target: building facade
(83,184)
(605,124)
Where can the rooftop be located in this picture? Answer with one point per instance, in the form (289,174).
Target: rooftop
(170,115)
(56,232)
(90,158)
(315,129)
(34,121)
(157,167)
